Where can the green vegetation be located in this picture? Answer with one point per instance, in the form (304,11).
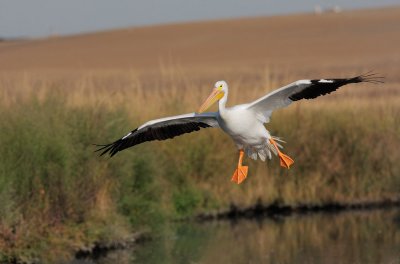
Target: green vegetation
(58,196)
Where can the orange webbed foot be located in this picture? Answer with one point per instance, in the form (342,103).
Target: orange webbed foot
(286,161)
(240,174)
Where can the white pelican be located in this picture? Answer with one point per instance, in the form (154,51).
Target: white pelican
(244,123)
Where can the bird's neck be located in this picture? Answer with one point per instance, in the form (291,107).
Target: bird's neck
(222,102)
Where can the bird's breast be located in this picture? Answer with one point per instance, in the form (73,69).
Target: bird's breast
(242,124)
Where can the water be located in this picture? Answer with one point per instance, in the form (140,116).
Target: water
(347,237)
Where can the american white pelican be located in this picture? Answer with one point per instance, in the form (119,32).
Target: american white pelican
(244,123)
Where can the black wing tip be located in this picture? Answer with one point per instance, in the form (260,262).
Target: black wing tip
(370,77)
(321,87)
(149,134)
(111,148)
(114,147)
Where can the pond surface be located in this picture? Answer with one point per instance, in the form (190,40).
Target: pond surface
(346,237)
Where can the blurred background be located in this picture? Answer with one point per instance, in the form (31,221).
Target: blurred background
(76,73)
(45,18)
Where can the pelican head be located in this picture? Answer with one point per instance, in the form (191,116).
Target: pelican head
(220,89)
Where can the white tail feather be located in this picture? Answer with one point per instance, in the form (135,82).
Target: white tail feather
(278,139)
(272,148)
(264,151)
(262,154)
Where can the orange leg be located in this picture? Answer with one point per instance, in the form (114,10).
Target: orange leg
(240,173)
(286,161)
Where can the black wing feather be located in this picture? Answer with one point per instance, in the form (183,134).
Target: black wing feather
(137,137)
(323,87)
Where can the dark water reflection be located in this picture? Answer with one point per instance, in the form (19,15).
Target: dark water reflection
(347,237)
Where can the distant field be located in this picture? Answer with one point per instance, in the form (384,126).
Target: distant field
(58,96)
(327,43)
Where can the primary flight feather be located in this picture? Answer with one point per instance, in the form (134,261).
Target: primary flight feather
(244,123)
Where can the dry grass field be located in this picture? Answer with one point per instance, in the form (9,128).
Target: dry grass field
(60,95)
(296,43)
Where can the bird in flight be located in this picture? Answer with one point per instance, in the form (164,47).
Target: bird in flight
(243,123)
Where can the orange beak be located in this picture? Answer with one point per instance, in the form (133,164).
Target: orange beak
(216,95)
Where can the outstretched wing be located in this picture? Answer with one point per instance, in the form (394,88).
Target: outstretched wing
(302,89)
(161,129)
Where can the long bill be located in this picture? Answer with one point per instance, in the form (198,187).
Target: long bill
(212,98)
